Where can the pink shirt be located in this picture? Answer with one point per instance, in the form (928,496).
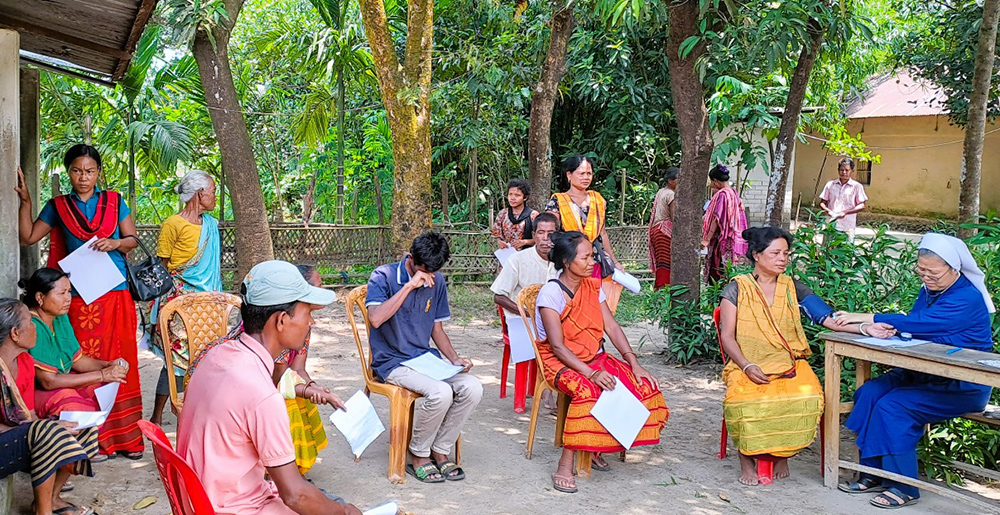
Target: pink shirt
(841,197)
(233,425)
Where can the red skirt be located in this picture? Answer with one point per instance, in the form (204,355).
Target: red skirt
(50,403)
(659,255)
(583,432)
(106,329)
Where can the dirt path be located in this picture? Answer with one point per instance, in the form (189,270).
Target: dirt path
(681,475)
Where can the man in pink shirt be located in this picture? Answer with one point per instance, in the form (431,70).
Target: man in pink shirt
(234,425)
(843,198)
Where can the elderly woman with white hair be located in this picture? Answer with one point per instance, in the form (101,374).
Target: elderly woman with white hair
(189,247)
(890,411)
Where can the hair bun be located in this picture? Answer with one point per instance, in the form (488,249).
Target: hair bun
(22,284)
(747,234)
(177,189)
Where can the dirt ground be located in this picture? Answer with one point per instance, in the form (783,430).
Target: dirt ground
(680,475)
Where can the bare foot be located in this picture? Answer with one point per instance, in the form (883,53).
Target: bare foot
(157,420)
(748,471)
(781,468)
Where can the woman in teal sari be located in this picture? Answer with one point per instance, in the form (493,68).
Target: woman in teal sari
(189,247)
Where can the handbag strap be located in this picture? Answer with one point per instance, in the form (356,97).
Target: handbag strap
(141,246)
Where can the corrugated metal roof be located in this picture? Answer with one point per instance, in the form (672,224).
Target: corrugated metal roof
(899,95)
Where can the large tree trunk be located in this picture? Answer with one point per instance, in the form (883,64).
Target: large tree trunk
(774,208)
(696,146)
(972,156)
(253,239)
(543,100)
(410,117)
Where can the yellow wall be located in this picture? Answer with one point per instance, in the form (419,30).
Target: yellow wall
(915,181)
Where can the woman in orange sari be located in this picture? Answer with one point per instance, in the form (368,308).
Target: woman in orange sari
(583,210)
(572,318)
(105,328)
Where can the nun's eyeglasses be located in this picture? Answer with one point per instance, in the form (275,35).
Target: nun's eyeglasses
(925,274)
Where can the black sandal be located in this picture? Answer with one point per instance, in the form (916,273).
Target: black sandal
(891,503)
(447,468)
(596,465)
(424,472)
(865,485)
(134,456)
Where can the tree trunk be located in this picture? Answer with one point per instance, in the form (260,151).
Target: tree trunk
(473,190)
(253,239)
(131,166)
(445,219)
(972,156)
(405,89)
(378,196)
(774,208)
(543,101)
(340,146)
(696,146)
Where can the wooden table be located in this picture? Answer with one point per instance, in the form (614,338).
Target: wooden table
(930,358)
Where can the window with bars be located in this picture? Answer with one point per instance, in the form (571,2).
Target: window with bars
(864,172)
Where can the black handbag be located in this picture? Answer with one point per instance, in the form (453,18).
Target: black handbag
(148,279)
(602,258)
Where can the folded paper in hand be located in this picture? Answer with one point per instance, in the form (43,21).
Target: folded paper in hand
(627,280)
(504,254)
(105,399)
(91,272)
(360,424)
(621,413)
(432,366)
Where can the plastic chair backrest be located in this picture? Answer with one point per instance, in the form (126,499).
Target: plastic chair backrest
(356,299)
(184,489)
(716,318)
(205,316)
(526,308)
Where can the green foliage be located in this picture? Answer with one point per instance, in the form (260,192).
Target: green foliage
(187,17)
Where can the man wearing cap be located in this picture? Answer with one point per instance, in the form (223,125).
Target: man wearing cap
(234,425)
(407,303)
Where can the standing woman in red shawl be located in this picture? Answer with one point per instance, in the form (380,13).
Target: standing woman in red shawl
(723,227)
(106,327)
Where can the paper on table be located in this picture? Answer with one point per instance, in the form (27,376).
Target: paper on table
(891,342)
(504,254)
(990,362)
(432,366)
(92,273)
(105,399)
(627,280)
(389,508)
(520,343)
(621,413)
(360,424)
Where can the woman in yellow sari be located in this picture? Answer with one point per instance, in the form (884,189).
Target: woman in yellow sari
(572,317)
(773,399)
(581,209)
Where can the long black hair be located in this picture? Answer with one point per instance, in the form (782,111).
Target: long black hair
(81,150)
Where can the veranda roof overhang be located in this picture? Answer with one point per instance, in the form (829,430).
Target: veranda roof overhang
(92,39)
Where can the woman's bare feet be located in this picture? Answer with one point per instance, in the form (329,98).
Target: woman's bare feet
(781,468)
(748,470)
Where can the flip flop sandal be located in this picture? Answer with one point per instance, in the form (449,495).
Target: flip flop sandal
(594,464)
(423,473)
(67,487)
(564,489)
(865,485)
(101,458)
(72,509)
(447,468)
(135,456)
(893,503)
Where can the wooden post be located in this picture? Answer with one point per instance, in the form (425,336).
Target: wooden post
(30,161)
(831,421)
(10,157)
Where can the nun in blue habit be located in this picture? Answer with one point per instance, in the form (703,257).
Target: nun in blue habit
(890,411)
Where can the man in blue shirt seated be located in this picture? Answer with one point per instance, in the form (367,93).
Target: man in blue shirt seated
(407,303)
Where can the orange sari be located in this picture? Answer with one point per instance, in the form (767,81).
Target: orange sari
(583,334)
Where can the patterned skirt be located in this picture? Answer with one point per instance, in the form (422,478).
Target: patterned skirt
(42,447)
(583,432)
(308,434)
(50,403)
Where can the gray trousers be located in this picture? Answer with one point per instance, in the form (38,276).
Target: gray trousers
(438,416)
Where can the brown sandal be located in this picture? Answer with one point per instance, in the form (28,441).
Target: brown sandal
(568,484)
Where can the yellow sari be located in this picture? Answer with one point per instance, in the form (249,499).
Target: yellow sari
(778,418)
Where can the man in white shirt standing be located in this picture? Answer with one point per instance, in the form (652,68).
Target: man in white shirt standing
(526,267)
(843,198)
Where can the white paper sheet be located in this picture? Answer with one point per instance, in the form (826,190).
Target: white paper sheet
(389,508)
(432,366)
(105,399)
(504,254)
(627,280)
(621,413)
(360,424)
(92,273)
(891,342)
(520,342)
(995,363)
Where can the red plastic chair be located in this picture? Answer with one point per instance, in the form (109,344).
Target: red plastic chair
(184,490)
(765,467)
(524,372)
